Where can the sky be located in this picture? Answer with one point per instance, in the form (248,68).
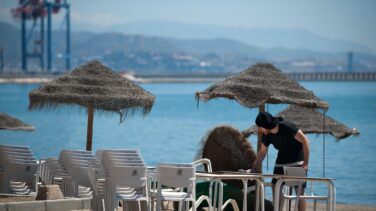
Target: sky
(350,20)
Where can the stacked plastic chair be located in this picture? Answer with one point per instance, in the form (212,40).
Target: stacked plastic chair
(52,172)
(18,169)
(126,178)
(77,164)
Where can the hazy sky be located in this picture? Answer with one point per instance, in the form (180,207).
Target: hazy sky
(352,20)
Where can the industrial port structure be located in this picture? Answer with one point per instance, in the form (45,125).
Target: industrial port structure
(36,34)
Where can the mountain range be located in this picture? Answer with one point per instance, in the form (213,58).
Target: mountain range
(293,38)
(131,49)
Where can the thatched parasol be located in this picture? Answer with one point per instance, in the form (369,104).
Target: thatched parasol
(95,87)
(260,84)
(311,121)
(227,149)
(8,122)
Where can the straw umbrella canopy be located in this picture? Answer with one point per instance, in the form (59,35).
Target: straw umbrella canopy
(93,86)
(8,122)
(260,84)
(311,121)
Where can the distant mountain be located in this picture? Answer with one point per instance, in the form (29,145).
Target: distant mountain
(261,37)
(153,54)
(10,41)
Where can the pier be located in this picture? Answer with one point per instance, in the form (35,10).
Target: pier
(334,76)
(311,76)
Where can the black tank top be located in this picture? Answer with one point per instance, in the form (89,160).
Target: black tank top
(289,149)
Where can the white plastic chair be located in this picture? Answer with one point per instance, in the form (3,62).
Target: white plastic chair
(180,176)
(214,188)
(288,195)
(134,177)
(112,159)
(52,172)
(18,169)
(77,163)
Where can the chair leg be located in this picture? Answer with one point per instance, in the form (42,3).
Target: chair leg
(314,205)
(151,203)
(139,205)
(180,205)
(290,193)
(159,203)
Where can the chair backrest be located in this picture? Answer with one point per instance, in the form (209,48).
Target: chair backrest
(76,158)
(203,162)
(122,158)
(294,171)
(128,176)
(80,175)
(176,175)
(18,163)
(8,152)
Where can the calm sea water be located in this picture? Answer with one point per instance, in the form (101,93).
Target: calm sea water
(175,126)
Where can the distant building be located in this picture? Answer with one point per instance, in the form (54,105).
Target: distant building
(350,57)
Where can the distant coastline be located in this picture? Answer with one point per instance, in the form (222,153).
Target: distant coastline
(208,78)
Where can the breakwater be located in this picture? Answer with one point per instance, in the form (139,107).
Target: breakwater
(309,76)
(334,76)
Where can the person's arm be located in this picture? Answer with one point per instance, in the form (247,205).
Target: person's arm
(304,140)
(260,156)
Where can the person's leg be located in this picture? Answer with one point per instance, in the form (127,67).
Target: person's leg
(302,203)
(278,170)
(281,201)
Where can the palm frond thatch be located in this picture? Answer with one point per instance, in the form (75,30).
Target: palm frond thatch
(227,149)
(311,121)
(93,84)
(8,122)
(95,87)
(262,83)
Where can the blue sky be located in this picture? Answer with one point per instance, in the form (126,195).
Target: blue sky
(351,20)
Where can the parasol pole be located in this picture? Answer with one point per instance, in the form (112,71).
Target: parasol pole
(90,119)
(259,137)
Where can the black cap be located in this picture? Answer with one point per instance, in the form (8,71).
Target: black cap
(266,120)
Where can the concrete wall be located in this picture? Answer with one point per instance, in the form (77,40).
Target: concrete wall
(48,205)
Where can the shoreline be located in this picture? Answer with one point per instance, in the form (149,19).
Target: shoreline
(153,79)
(161,79)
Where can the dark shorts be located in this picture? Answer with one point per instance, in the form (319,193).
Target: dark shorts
(279,170)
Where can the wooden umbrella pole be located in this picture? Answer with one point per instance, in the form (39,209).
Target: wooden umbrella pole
(259,137)
(90,119)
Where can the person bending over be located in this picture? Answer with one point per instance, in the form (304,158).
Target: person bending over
(291,143)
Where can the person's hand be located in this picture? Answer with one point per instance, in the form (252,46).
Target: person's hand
(245,171)
(305,167)
(252,171)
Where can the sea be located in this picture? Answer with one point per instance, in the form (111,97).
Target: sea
(173,130)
